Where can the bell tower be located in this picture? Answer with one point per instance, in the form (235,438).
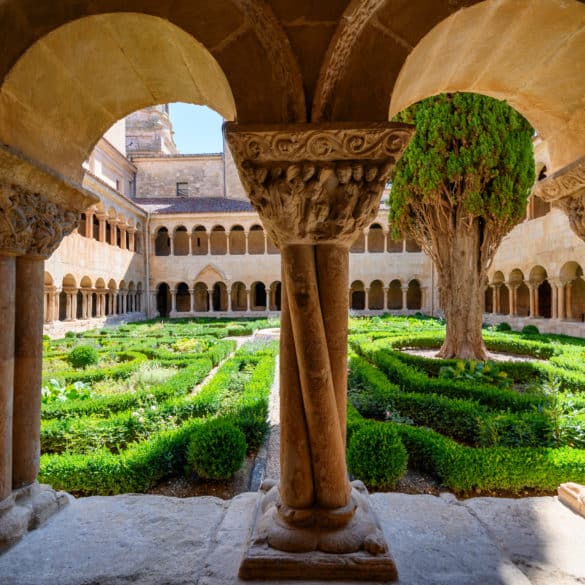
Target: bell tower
(149,132)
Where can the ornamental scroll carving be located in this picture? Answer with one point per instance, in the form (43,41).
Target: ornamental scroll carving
(568,182)
(32,224)
(317,185)
(574,207)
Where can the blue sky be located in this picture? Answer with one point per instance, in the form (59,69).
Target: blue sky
(197,128)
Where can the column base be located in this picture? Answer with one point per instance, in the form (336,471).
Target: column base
(317,549)
(573,496)
(26,509)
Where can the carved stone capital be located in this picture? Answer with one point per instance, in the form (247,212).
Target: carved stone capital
(567,182)
(574,207)
(316,183)
(32,224)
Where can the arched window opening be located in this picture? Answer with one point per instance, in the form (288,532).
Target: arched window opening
(258,296)
(219,297)
(523,301)
(545,300)
(79,312)
(218,241)
(201,298)
(395,295)
(237,240)
(163,300)
(256,240)
(181,243)
(276,296)
(376,296)
(376,239)
(357,299)
(162,243)
(414,296)
(182,298)
(239,297)
(200,244)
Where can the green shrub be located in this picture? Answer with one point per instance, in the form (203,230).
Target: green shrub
(376,455)
(216,449)
(475,371)
(83,356)
(70,334)
(503,326)
(530,330)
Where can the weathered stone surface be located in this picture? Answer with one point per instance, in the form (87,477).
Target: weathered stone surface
(573,495)
(154,540)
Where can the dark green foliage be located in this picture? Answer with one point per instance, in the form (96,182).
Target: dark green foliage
(216,449)
(474,371)
(503,326)
(376,455)
(530,330)
(470,153)
(83,356)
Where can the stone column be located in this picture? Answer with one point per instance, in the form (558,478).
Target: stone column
(248,299)
(192,300)
(7,318)
(56,305)
(513,288)
(113,232)
(554,299)
(210,298)
(131,240)
(229,296)
(386,292)
(561,300)
(102,227)
(89,223)
(404,298)
(267,295)
(246,244)
(28,352)
(533,290)
(153,308)
(123,296)
(173,300)
(569,301)
(123,244)
(366,298)
(315,188)
(69,306)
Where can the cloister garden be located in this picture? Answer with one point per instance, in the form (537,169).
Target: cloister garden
(124,408)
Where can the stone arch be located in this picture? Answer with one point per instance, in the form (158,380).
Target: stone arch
(182,298)
(414,296)
(162,242)
(276,296)
(49,281)
(163,299)
(486,38)
(357,296)
(239,296)
(200,241)
(256,240)
(218,241)
(181,241)
(376,294)
(574,290)
(258,297)
(376,239)
(210,275)
(219,297)
(201,297)
(395,295)
(237,243)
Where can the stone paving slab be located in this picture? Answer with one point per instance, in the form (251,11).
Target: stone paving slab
(157,540)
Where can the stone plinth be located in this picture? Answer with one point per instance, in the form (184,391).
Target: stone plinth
(573,496)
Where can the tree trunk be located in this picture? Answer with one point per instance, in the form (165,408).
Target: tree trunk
(461,290)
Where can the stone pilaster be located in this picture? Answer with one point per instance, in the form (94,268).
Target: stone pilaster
(315,188)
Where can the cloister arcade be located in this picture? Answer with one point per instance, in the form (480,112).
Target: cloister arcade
(112,228)
(394,297)
(538,293)
(83,299)
(221,240)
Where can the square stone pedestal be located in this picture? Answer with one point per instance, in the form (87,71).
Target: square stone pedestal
(26,509)
(264,562)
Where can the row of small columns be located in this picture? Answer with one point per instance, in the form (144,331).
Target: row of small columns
(190,238)
(173,292)
(561,301)
(386,289)
(128,302)
(127,232)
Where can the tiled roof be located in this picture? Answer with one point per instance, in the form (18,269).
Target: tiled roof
(193,205)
